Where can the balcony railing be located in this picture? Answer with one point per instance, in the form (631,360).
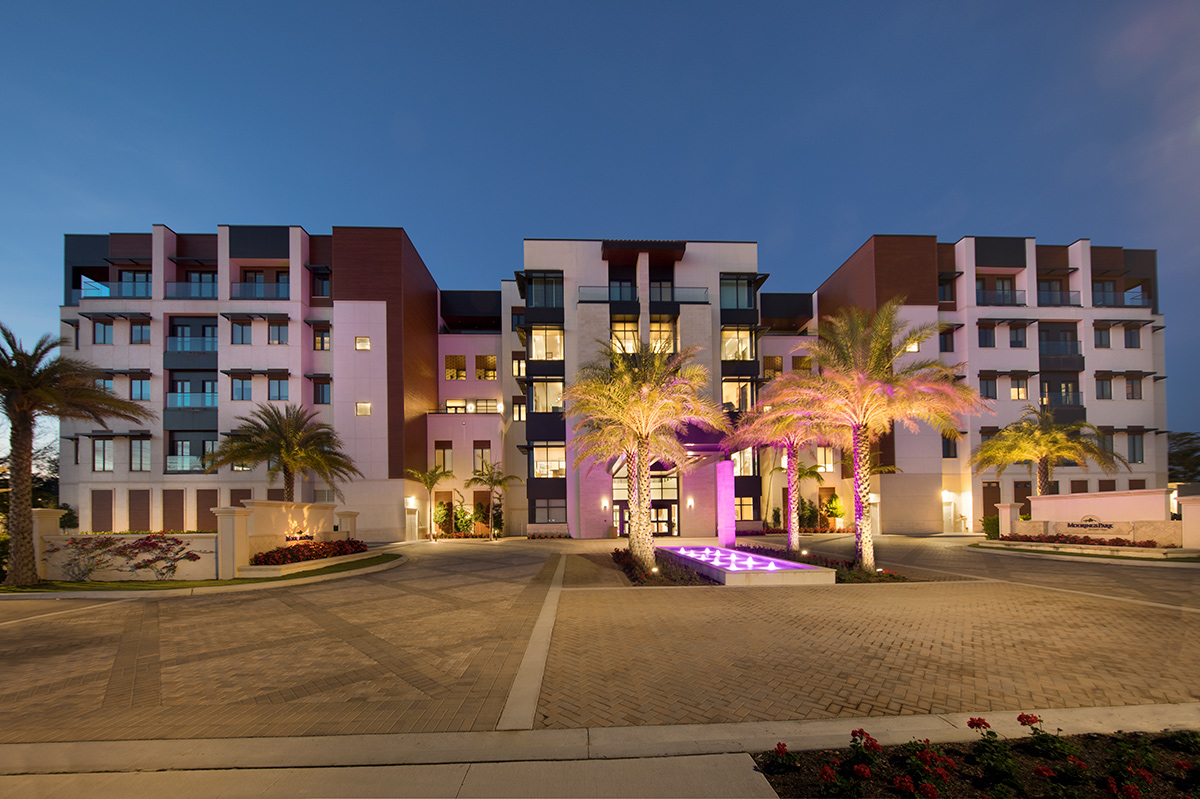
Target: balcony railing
(688,295)
(259,291)
(1063,399)
(191,344)
(1116,299)
(184,463)
(191,291)
(120,290)
(1058,298)
(192,400)
(989,297)
(618,293)
(1059,348)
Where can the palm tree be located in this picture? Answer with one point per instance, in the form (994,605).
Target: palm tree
(492,477)
(290,442)
(430,479)
(865,383)
(635,405)
(1036,439)
(768,423)
(34,384)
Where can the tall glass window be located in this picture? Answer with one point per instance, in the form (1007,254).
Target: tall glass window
(737,344)
(546,344)
(543,289)
(624,335)
(549,460)
(1137,451)
(737,291)
(545,396)
(102,454)
(139,455)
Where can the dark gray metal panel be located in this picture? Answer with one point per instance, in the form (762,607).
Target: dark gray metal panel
(750,486)
(739,368)
(258,241)
(190,360)
(544,316)
(739,316)
(545,368)
(545,427)
(797,306)
(999,251)
(189,419)
(546,488)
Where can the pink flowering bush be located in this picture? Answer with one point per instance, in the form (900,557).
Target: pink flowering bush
(298,553)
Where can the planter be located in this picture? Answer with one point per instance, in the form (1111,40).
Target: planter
(1143,553)
(302,566)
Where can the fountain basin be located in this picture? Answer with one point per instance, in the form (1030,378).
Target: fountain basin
(729,567)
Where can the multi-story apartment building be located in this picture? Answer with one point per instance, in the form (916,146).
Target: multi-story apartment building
(352,325)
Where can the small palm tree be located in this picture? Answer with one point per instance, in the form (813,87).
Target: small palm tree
(865,384)
(290,442)
(635,405)
(35,383)
(1036,439)
(430,479)
(492,477)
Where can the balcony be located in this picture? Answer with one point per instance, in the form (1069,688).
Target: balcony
(259,291)
(184,463)
(1063,399)
(1009,297)
(92,290)
(1116,299)
(615,293)
(191,291)
(1048,299)
(191,344)
(1059,348)
(192,400)
(687,295)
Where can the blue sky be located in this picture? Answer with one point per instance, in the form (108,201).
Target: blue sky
(806,127)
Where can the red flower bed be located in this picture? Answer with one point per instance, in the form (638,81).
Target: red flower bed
(298,553)
(1085,540)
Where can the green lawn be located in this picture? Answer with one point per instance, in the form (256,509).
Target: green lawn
(160,585)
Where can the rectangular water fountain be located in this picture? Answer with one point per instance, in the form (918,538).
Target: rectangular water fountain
(730,567)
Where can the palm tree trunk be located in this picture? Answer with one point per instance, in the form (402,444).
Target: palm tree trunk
(289,485)
(432,537)
(864,545)
(1043,476)
(21,568)
(793,494)
(641,541)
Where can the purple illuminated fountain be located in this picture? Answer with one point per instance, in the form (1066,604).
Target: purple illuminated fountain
(730,567)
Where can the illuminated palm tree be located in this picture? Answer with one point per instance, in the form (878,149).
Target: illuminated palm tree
(430,479)
(33,384)
(1036,439)
(492,477)
(866,382)
(290,442)
(635,405)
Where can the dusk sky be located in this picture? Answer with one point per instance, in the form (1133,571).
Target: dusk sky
(804,126)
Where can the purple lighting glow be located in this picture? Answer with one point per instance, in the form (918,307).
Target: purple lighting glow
(732,561)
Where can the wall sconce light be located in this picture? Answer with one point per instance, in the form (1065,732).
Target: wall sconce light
(604,504)
(410,502)
(691,503)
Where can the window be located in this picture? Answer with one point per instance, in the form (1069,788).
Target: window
(102,333)
(1107,485)
(1103,338)
(946,341)
(1019,389)
(322,339)
(322,392)
(443,455)
(241,333)
(481,455)
(621,291)
(549,460)
(456,367)
(139,332)
(277,389)
(102,454)
(545,396)
(134,284)
(518,364)
(772,366)
(624,335)
(549,511)
(664,334)
(1133,388)
(518,319)
(662,290)
(945,292)
(746,509)
(1133,338)
(737,344)
(745,463)
(362,409)
(802,364)
(1137,485)
(987,337)
(139,388)
(362,342)
(546,344)
(105,384)
(1107,442)
(277,333)
(949,447)
(320,285)
(139,454)
(737,395)
(242,467)
(485,367)
(544,289)
(485,406)
(1016,337)
(1137,452)
(456,406)
(1103,388)
(987,387)
(825,459)
(737,291)
(913,347)
(518,411)
(241,389)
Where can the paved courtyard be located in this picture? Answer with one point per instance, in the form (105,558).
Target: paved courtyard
(435,645)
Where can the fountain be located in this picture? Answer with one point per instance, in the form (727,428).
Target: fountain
(730,567)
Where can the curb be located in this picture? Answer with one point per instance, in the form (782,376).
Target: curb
(1099,559)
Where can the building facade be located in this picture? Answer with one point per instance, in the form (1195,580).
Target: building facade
(352,325)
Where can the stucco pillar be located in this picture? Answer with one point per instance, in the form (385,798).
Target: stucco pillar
(45,522)
(1009,513)
(233,540)
(643,293)
(1189,508)
(348,523)
(726,515)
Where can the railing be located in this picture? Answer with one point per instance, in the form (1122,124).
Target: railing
(1116,299)
(988,297)
(192,400)
(694,295)
(191,291)
(1062,399)
(121,290)
(616,293)
(184,463)
(1058,298)
(259,291)
(1059,348)
(191,344)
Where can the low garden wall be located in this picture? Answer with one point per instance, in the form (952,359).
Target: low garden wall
(57,564)
(1164,533)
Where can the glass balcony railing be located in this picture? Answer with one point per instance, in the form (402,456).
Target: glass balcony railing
(688,295)
(1008,297)
(1116,299)
(614,293)
(191,291)
(123,290)
(1058,298)
(192,400)
(259,291)
(191,344)
(1063,399)
(1059,348)
(184,463)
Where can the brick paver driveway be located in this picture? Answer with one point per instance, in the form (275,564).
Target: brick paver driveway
(434,645)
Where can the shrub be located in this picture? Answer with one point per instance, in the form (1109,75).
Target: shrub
(991,527)
(158,552)
(1084,540)
(310,551)
(87,555)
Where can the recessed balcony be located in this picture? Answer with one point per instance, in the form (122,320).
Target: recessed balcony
(1060,299)
(191,290)
(259,291)
(1008,297)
